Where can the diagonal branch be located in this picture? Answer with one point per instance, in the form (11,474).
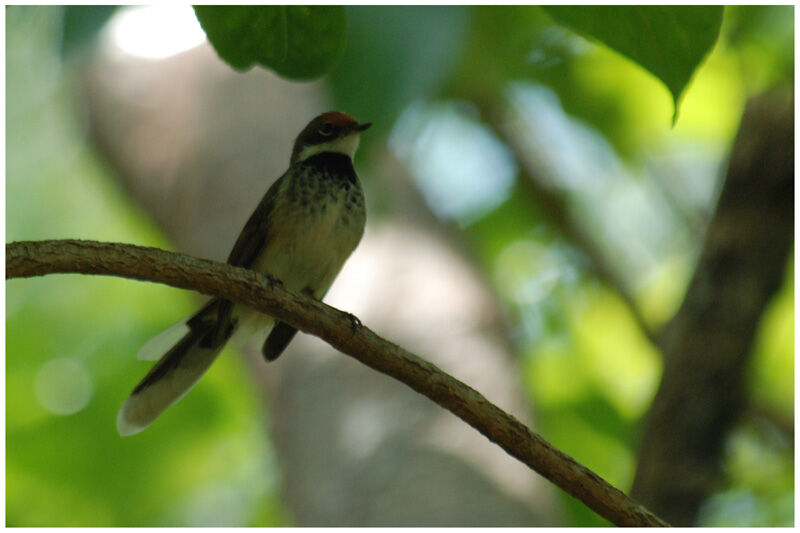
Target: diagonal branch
(342,331)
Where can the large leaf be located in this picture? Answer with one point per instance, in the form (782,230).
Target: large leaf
(669,41)
(396,54)
(298,42)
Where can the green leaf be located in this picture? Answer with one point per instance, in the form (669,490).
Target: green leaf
(669,41)
(397,54)
(81,24)
(298,42)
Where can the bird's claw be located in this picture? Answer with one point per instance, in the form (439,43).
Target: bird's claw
(355,323)
(273,280)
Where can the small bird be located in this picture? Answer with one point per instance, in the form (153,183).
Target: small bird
(303,230)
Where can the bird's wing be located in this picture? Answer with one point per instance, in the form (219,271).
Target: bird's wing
(253,238)
(249,245)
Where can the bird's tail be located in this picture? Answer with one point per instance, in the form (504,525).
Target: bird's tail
(199,340)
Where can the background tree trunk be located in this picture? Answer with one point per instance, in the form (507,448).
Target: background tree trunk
(707,345)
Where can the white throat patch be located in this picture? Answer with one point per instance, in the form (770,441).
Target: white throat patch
(346,145)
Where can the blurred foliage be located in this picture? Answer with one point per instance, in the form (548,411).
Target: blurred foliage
(772,368)
(81,24)
(438,82)
(760,480)
(298,42)
(669,41)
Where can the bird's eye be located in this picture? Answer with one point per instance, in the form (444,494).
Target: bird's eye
(326,130)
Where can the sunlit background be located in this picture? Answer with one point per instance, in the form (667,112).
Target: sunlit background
(595,127)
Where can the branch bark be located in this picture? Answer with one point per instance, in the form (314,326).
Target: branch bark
(340,330)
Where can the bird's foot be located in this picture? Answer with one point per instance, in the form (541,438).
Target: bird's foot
(273,280)
(355,323)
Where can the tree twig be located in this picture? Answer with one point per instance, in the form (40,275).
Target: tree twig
(342,331)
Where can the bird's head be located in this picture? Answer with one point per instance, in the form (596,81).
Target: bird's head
(329,132)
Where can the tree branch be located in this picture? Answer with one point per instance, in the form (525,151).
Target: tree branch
(340,330)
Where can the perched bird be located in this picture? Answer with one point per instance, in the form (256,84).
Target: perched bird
(306,226)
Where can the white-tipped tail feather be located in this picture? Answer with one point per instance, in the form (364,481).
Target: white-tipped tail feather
(169,380)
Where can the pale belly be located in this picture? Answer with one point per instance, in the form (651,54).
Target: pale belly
(306,253)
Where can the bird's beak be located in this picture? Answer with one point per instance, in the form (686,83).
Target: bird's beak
(361,127)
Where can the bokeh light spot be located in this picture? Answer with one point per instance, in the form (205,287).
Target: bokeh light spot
(63,386)
(462,169)
(155,32)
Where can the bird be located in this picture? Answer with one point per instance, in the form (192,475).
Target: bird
(301,233)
